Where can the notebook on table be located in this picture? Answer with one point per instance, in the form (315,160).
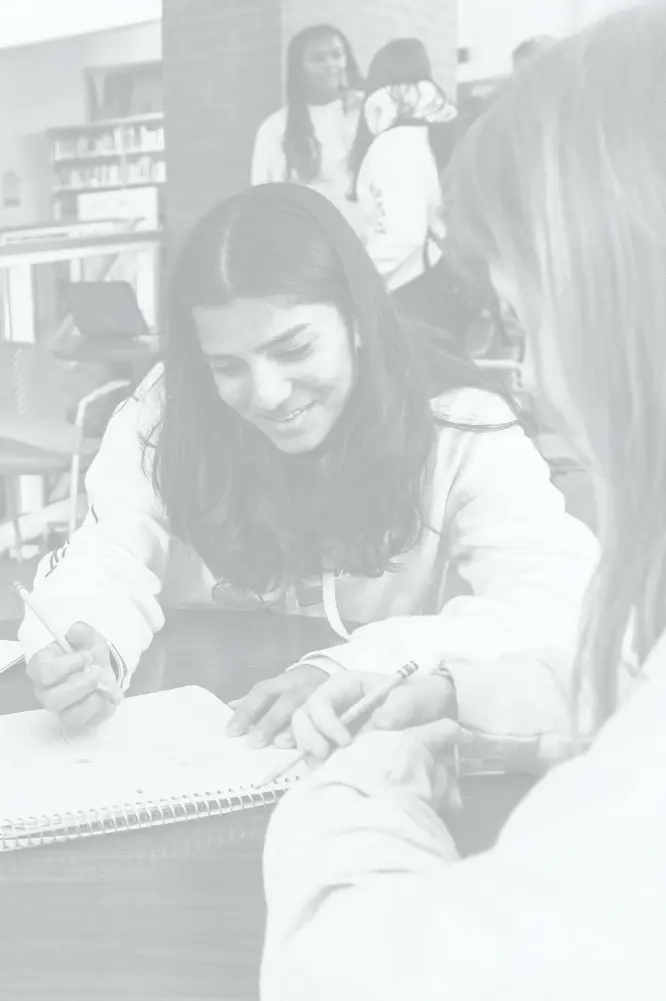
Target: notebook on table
(11,653)
(160,759)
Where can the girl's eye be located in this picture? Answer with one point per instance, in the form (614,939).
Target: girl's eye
(293,354)
(225,369)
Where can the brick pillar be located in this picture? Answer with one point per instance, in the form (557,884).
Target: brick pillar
(222,74)
(223,64)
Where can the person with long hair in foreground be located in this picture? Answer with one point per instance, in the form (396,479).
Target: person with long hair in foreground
(301,451)
(561,190)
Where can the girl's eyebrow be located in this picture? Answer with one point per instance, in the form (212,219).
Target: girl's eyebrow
(285,336)
(270,345)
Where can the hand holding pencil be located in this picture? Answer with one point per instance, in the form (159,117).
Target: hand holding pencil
(72,676)
(355,700)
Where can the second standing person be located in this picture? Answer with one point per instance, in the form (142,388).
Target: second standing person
(395,161)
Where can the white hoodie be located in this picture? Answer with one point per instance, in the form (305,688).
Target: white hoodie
(495,587)
(367,900)
(400,201)
(398,188)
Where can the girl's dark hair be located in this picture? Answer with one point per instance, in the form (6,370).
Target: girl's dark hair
(400,62)
(257,516)
(301,148)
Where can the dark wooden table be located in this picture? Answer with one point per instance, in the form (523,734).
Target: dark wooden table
(177,912)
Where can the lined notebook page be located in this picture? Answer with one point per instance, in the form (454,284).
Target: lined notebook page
(155,747)
(10,653)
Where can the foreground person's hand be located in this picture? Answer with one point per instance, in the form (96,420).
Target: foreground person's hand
(421,761)
(317,727)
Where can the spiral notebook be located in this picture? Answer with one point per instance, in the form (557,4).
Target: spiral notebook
(160,759)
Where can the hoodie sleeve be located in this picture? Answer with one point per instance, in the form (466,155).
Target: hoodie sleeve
(110,572)
(525,565)
(367,901)
(333,847)
(268,159)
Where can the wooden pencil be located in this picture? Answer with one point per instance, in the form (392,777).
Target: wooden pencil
(366,705)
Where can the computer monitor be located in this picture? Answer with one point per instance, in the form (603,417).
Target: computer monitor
(106,311)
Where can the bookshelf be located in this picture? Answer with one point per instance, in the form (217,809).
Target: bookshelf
(110,157)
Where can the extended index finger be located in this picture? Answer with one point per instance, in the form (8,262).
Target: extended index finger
(251,708)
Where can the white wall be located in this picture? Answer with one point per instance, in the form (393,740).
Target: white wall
(27,21)
(491,29)
(590,10)
(42,86)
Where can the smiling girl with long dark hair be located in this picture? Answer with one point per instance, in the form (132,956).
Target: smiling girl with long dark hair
(302,451)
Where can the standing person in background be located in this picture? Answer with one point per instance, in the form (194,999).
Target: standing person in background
(560,189)
(308,141)
(395,161)
(404,140)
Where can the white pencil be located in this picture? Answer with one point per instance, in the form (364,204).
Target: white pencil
(365,705)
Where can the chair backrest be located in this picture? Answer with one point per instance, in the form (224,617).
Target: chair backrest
(99,406)
(31,382)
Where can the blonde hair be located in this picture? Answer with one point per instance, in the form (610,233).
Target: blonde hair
(562,186)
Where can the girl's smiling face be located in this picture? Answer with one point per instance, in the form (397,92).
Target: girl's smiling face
(287,369)
(325,68)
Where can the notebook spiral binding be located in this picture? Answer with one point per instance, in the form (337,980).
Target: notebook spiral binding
(29,832)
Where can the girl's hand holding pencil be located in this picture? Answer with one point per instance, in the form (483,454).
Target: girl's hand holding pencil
(73,676)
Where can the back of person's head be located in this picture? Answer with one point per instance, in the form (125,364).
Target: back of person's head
(400,90)
(321,66)
(561,190)
(256,515)
(529,48)
(402,61)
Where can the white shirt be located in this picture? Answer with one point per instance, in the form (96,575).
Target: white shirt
(334,127)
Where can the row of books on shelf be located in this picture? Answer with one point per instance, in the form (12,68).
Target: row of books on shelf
(144,170)
(120,140)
